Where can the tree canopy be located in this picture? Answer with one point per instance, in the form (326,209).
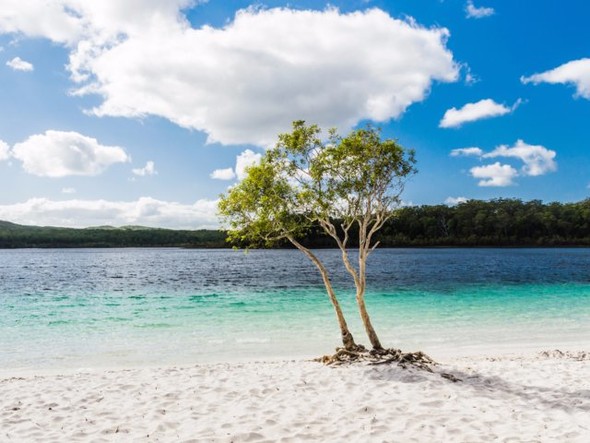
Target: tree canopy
(343,184)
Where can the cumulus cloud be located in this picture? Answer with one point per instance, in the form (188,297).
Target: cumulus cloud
(494,175)
(60,154)
(467,152)
(223,174)
(471,112)
(473,11)
(18,64)
(453,201)
(4,151)
(576,73)
(538,160)
(248,80)
(245,159)
(38,18)
(70,21)
(148,169)
(145,211)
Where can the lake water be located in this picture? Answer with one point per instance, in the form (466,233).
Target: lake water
(128,307)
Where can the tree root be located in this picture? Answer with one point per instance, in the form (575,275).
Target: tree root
(342,356)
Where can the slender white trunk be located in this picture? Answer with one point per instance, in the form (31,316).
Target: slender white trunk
(360,299)
(347,338)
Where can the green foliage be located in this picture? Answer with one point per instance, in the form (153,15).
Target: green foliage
(261,210)
(499,222)
(304,181)
(18,236)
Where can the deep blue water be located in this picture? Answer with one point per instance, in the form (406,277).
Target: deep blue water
(89,307)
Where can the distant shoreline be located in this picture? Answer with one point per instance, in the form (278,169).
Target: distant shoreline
(500,223)
(289,248)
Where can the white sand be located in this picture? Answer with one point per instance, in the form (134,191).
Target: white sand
(544,398)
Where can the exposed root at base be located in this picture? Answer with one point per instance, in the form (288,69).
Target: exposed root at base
(379,357)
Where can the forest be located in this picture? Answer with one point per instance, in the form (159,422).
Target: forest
(498,222)
(19,236)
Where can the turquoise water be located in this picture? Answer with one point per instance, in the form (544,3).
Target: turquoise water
(127,307)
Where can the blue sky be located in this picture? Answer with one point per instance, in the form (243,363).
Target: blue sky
(144,111)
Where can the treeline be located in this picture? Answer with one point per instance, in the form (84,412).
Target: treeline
(18,236)
(500,222)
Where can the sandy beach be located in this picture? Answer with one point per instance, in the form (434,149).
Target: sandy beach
(542,397)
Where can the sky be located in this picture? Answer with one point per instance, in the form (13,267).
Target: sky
(143,112)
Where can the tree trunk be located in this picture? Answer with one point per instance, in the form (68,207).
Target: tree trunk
(361,283)
(347,338)
(360,299)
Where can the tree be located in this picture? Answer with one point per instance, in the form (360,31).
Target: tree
(344,185)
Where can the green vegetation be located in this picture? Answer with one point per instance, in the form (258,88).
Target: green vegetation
(502,222)
(477,223)
(347,187)
(18,236)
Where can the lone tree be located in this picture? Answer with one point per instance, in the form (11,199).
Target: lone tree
(343,185)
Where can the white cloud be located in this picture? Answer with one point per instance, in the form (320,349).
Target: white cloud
(38,18)
(247,81)
(68,190)
(473,11)
(494,175)
(467,152)
(4,151)
(576,72)
(471,79)
(453,201)
(223,174)
(59,154)
(18,64)
(148,169)
(83,213)
(538,160)
(70,21)
(245,159)
(406,204)
(475,111)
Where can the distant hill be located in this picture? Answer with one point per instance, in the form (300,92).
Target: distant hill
(8,226)
(499,222)
(127,228)
(13,235)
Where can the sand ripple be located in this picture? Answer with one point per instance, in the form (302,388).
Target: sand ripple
(541,398)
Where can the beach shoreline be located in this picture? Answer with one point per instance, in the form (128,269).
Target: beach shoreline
(518,397)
